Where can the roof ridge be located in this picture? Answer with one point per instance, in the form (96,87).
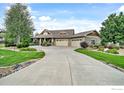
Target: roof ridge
(58,29)
(86,31)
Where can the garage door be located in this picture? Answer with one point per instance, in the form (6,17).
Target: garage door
(61,42)
(75,43)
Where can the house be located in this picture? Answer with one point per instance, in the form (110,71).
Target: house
(66,37)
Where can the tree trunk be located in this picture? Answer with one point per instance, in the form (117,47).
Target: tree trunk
(18,39)
(114,42)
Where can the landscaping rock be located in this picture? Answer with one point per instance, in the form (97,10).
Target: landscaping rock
(17,67)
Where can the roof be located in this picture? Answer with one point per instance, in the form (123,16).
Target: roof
(85,33)
(66,33)
(56,32)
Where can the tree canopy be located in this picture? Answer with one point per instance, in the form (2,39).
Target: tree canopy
(112,29)
(18,24)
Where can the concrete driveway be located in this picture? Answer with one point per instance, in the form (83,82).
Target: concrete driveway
(63,66)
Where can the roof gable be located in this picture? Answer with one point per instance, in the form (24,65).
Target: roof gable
(87,33)
(45,31)
(57,33)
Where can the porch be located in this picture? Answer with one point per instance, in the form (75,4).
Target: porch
(44,41)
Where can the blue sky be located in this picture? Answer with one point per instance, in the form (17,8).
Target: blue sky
(81,16)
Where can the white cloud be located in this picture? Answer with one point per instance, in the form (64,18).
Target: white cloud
(7,7)
(64,12)
(29,9)
(79,25)
(45,18)
(33,12)
(121,9)
(33,17)
(1,25)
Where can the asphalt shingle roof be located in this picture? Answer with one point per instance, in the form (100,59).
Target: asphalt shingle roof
(67,33)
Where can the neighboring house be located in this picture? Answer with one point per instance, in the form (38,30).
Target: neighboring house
(2,34)
(66,37)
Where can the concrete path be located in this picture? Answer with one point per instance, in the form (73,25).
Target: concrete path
(63,66)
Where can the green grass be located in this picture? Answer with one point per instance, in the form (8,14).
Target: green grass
(8,57)
(108,58)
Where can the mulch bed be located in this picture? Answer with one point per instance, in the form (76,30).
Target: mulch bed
(4,71)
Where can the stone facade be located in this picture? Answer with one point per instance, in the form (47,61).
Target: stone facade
(93,40)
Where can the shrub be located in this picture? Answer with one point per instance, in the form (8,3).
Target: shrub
(122,47)
(113,46)
(32,44)
(101,48)
(110,47)
(83,44)
(25,44)
(19,46)
(28,49)
(97,46)
(48,44)
(94,46)
(44,43)
(113,51)
(116,47)
(22,45)
(8,44)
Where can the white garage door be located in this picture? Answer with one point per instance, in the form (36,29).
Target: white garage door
(61,42)
(75,43)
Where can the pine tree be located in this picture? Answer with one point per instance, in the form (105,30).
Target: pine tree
(19,26)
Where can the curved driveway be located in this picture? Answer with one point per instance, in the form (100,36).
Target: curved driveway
(63,66)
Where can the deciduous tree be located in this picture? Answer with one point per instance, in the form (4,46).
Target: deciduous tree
(112,29)
(19,25)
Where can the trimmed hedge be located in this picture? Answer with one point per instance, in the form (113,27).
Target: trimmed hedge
(22,45)
(28,49)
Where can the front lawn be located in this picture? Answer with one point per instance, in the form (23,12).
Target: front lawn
(8,57)
(108,58)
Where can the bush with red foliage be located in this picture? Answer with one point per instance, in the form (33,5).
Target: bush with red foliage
(84,44)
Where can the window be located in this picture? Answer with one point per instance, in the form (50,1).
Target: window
(93,42)
(63,33)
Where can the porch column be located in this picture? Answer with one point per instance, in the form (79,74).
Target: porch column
(40,41)
(52,41)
